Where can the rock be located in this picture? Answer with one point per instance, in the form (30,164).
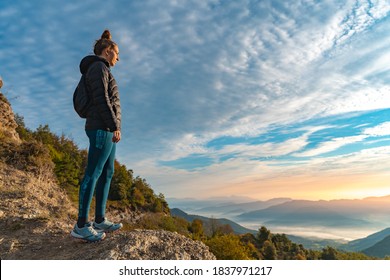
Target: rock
(145,245)
(8,124)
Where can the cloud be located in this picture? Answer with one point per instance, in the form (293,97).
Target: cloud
(270,149)
(382,129)
(331,146)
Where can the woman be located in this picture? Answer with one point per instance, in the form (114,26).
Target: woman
(103,128)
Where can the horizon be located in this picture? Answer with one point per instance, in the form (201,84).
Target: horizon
(252,98)
(251,199)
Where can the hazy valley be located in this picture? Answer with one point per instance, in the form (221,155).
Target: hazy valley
(342,223)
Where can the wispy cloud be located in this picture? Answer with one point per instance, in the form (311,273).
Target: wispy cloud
(382,129)
(331,146)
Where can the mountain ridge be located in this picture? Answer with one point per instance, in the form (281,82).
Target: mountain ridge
(237,229)
(380,249)
(371,240)
(367,211)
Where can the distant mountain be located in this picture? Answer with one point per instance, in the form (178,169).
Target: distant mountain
(238,229)
(200,203)
(233,209)
(367,242)
(333,213)
(380,249)
(222,206)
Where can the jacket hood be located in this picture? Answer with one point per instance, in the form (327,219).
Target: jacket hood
(87,61)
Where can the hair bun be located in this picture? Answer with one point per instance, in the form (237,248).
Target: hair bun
(106,34)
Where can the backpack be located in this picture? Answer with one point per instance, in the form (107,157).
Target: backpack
(81,98)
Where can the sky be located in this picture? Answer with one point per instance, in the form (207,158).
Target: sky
(246,98)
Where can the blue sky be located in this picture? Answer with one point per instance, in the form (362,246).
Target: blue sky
(253,98)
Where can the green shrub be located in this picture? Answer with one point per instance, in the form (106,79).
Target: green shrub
(229,247)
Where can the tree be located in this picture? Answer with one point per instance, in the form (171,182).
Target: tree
(263,235)
(22,130)
(44,135)
(142,197)
(329,253)
(213,224)
(225,229)
(196,228)
(269,251)
(228,247)
(250,241)
(121,182)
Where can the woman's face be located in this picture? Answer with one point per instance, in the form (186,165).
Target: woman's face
(112,55)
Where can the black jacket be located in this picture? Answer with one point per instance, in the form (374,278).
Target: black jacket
(105,112)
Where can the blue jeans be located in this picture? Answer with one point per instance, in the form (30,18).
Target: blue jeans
(98,174)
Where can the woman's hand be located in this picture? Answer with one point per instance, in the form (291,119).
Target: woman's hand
(117,136)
